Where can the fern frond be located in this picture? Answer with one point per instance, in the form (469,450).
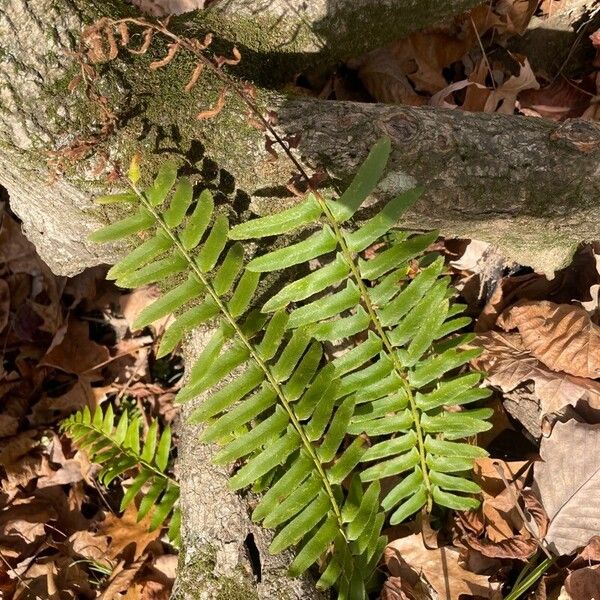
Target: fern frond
(118,449)
(412,383)
(304,426)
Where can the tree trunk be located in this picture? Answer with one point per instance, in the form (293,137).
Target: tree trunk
(528,185)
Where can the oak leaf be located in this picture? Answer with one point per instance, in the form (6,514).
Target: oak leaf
(503,98)
(126,530)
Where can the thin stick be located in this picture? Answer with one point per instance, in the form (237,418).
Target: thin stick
(485,58)
(520,511)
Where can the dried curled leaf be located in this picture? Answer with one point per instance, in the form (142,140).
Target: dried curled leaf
(440,567)
(569,484)
(508,364)
(163,62)
(194,77)
(213,112)
(562,336)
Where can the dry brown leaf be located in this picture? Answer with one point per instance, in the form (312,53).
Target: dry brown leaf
(9,425)
(548,8)
(562,336)
(162,8)
(126,530)
(76,353)
(503,99)
(421,57)
(595,38)
(440,99)
(582,584)
(89,545)
(120,579)
(396,588)
(382,75)
(518,547)
(26,519)
(591,553)
(4,304)
(508,364)
(12,449)
(477,95)
(560,100)
(134,303)
(440,568)
(516,13)
(503,533)
(574,283)
(568,482)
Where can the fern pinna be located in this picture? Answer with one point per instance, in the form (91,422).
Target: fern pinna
(119,450)
(318,434)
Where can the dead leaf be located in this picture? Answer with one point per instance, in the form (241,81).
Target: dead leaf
(503,98)
(421,58)
(382,75)
(76,353)
(568,483)
(591,553)
(120,579)
(440,98)
(4,304)
(134,303)
(562,336)
(89,545)
(126,530)
(516,13)
(582,584)
(503,532)
(560,100)
(409,559)
(508,364)
(162,8)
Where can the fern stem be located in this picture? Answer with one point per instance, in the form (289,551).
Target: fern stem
(255,356)
(416,413)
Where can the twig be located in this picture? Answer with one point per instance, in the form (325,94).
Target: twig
(520,510)
(485,58)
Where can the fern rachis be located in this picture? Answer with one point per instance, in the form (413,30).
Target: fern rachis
(317,418)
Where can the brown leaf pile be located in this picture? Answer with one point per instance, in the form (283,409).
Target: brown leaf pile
(544,334)
(67,344)
(464,64)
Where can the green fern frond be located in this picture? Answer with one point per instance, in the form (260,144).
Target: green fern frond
(117,447)
(317,435)
(406,388)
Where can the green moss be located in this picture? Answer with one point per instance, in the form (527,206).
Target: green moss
(194,576)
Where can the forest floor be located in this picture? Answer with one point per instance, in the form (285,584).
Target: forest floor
(68,344)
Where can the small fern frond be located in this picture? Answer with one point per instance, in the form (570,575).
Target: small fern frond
(117,447)
(316,435)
